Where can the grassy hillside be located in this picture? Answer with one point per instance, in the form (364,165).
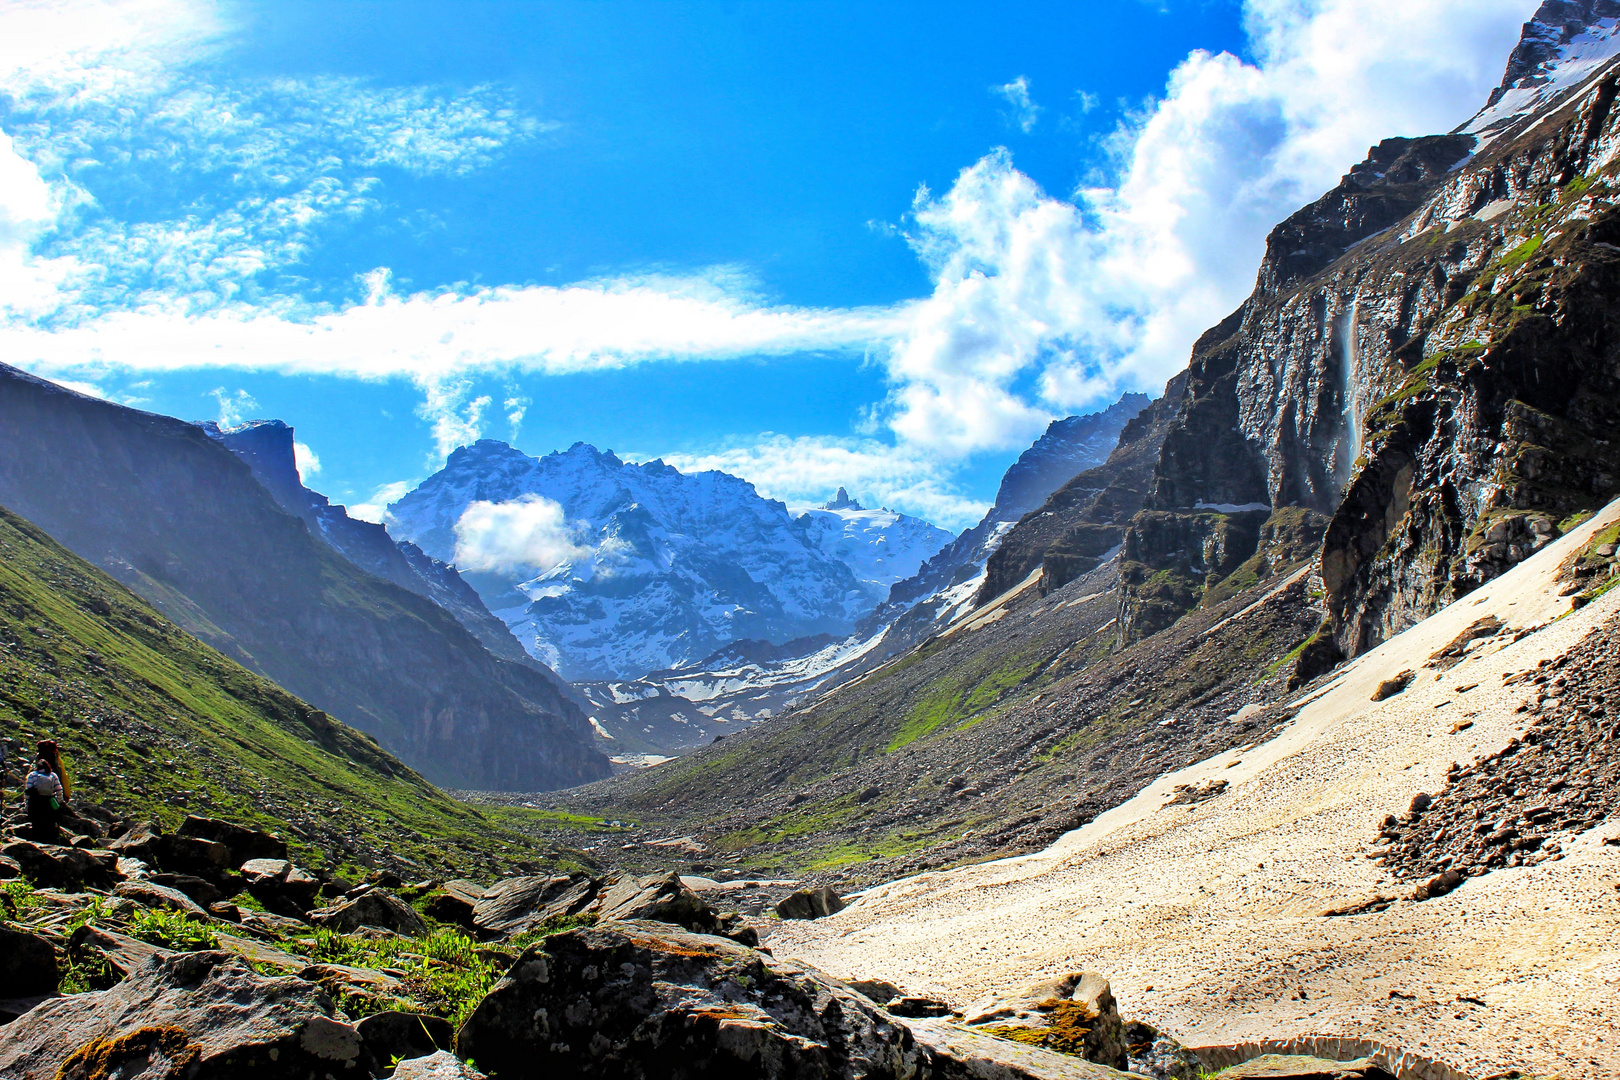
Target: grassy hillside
(154,722)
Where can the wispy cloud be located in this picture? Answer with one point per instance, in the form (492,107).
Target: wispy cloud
(375,509)
(1022,111)
(306,461)
(233,407)
(530,533)
(1042,302)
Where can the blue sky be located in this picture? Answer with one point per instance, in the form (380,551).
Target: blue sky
(870,244)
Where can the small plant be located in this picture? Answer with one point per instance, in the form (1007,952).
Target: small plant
(16,899)
(171,930)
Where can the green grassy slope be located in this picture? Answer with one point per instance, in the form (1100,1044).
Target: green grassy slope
(154,722)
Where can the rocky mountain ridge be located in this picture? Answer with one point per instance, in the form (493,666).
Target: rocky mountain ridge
(165,509)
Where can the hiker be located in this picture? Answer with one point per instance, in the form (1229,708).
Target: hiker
(45,797)
(47,750)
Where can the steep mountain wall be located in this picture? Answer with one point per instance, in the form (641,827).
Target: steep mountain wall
(1427,358)
(176,517)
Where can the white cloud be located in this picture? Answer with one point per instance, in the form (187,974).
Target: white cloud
(375,509)
(1043,303)
(1023,110)
(530,533)
(804,469)
(306,461)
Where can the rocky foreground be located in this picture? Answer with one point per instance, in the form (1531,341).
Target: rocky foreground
(129,952)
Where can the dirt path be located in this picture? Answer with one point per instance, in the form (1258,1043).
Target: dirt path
(1208,918)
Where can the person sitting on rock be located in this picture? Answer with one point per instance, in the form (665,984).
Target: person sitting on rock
(45,797)
(48,751)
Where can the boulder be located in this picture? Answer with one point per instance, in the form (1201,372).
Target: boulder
(154,895)
(118,951)
(955,1053)
(810,904)
(27,964)
(1075,1013)
(659,898)
(280,886)
(916,1006)
(438,1066)
(519,904)
(139,841)
(879,990)
(204,1015)
(204,892)
(192,855)
(55,866)
(1151,1052)
(379,908)
(1304,1067)
(243,843)
(9,868)
(646,999)
(454,902)
(392,1036)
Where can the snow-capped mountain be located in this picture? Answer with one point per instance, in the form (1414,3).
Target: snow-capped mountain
(605,569)
(668,711)
(879,546)
(1564,43)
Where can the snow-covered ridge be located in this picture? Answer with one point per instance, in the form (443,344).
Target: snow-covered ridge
(1564,44)
(640,567)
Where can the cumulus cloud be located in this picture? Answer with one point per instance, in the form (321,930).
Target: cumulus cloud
(529,533)
(306,461)
(1023,111)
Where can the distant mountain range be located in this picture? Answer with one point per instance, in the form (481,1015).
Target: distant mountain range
(606,569)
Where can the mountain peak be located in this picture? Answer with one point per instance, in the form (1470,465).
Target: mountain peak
(842,501)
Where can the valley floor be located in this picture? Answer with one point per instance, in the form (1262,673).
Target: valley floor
(1211,919)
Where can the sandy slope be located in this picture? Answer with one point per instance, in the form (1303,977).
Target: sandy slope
(1208,918)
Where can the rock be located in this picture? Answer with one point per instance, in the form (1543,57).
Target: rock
(54,866)
(917,1006)
(244,843)
(519,904)
(1390,687)
(344,983)
(439,1066)
(118,951)
(191,855)
(1303,1067)
(268,922)
(810,904)
(1150,1052)
(658,898)
(221,909)
(647,999)
(1077,1012)
(258,953)
(154,895)
(879,990)
(1420,802)
(379,908)
(957,1053)
(280,886)
(9,868)
(397,1035)
(204,1016)
(1438,885)
(11,1008)
(453,902)
(204,892)
(27,964)
(139,841)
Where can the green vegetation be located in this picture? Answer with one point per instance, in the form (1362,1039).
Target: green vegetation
(965,698)
(171,930)
(154,723)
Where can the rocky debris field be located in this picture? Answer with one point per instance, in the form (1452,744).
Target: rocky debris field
(205,953)
(1520,806)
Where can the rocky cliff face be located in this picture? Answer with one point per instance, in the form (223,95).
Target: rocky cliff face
(176,517)
(1426,359)
(267,448)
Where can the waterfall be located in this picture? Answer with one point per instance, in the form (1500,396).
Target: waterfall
(1352,402)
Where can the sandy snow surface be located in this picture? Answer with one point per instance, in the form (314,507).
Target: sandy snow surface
(1208,919)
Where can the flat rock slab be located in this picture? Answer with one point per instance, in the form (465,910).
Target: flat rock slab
(154,895)
(519,904)
(379,907)
(123,953)
(438,1066)
(960,1054)
(1303,1067)
(260,953)
(204,1015)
